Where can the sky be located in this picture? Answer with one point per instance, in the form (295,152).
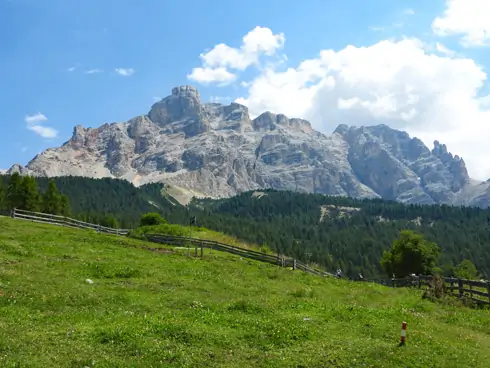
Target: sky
(419,66)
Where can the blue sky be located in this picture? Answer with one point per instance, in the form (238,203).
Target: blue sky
(96,61)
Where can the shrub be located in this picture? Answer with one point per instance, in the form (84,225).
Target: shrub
(152,219)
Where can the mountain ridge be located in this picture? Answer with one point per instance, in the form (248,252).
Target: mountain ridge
(214,150)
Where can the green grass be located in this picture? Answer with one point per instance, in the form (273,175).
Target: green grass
(162,309)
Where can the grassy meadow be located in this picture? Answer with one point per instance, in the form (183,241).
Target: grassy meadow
(75,298)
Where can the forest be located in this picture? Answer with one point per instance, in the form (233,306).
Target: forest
(108,202)
(329,231)
(348,233)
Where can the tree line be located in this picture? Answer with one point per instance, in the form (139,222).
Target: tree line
(346,233)
(334,232)
(107,202)
(23,193)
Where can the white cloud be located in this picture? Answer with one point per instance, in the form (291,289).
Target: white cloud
(467,18)
(211,75)
(72,68)
(409,12)
(399,83)
(125,72)
(444,50)
(36,118)
(34,123)
(215,63)
(45,132)
(93,71)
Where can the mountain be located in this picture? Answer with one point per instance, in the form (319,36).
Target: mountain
(213,150)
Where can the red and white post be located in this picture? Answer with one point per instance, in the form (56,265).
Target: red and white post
(404,333)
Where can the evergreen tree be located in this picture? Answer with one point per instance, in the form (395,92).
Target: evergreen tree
(65,205)
(30,199)
(51,200)
(13,195)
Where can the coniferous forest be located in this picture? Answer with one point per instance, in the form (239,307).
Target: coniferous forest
(348,233)
(330,231)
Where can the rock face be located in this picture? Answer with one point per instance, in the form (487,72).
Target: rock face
(218,151)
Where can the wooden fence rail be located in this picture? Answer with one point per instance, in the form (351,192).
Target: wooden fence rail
(278,260)
(64,221)
(475,290)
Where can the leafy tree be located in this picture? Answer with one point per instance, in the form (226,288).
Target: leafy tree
(152,219)
(29,198)
(13,196)
(410,253)
(466,270)
(51,200)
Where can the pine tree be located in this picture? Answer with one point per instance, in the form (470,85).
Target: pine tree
(51,202)
(13,196)
(30,199)
(65,206)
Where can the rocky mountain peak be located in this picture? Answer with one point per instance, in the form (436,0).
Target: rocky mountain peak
(181,112)
(268,121)
(455,164)
(17,168)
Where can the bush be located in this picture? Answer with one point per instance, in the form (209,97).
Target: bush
(165,229)
(152,219)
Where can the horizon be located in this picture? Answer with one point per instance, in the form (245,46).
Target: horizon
(412,66)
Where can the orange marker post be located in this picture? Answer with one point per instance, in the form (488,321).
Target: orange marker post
(404,333)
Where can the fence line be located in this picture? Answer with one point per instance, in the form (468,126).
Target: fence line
(475,290)
(64,221)
(470,289)
(278,260)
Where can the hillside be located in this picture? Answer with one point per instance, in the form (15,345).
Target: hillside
(344,232)
(163,309)
(90,198)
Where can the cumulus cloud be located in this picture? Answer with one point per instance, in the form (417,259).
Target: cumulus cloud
(215,63)
(444,50)
(209,75)
(125,72)
(402,83)
(35,123)
(398,83)
(469,19)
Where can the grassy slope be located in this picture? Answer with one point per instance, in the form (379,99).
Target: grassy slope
(148,309)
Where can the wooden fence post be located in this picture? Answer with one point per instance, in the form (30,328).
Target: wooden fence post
(460,288)
(488,290)
(12,213)
(294,264)
(201,249)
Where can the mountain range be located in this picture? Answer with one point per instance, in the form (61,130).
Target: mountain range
(214,150)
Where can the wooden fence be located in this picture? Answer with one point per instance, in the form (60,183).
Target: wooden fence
(478,291)
(475,290)
(242,252)
(64,221)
